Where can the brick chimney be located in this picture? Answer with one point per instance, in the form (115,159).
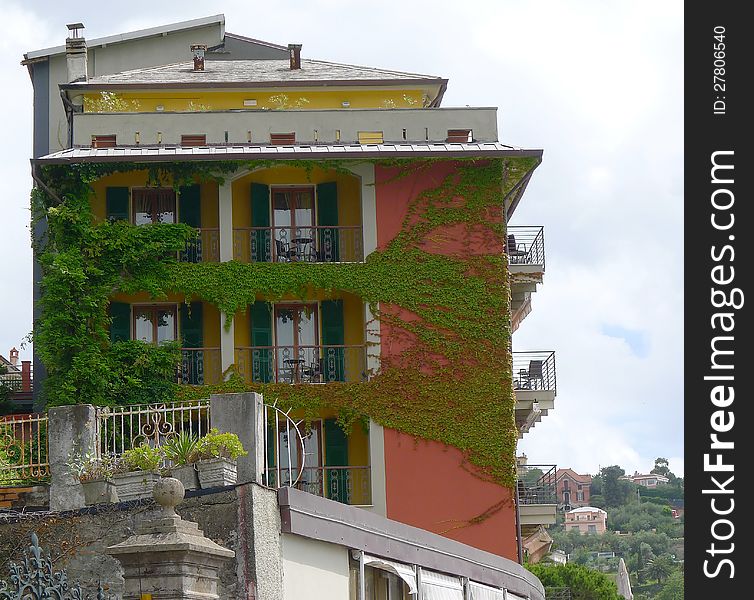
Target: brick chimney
(294,51)
(75,54)
(198,51)
(13,357)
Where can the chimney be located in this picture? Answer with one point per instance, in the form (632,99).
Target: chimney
(75,54)
(294,50)
(14,357)
(198,51)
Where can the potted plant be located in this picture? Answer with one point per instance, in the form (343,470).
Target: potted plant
(95,474)
(217,453)
(137,472)
(181,451)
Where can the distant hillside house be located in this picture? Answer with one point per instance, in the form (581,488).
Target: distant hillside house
(573,490)
(652,480)
(586,519)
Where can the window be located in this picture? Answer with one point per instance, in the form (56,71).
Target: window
(153,205)
(579,496)
(155,323)
(592,529)
(297,341)
(293,221)
(103,141)
(462,136)
(371,137)
(282,138)
(194,139)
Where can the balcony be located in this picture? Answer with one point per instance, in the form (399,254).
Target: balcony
(525,247)
(537,497)
(302,364)
(301,126)
(20,382)
(534,386)
(347,485)
(205,248)
(314,244)
(200,366)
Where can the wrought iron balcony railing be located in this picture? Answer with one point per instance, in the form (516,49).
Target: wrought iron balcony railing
(302,364)
(526,246)
(536,484)
(205,248)
(200,366)
(348,485)
(317,244)
(534,371)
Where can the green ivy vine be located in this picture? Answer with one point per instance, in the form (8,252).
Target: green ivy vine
(451,384)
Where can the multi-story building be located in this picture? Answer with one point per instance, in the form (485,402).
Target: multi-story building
(573,488)
(586,519)
(324,233)
(647,480)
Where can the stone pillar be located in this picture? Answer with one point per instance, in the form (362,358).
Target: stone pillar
(242,414)
(168,557)
(71,430)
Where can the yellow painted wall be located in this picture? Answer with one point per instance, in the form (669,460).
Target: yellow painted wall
(211,328)
(210,195)
(303,98)
(349,191)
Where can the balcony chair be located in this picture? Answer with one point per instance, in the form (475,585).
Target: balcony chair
(283,251)
(516,252)
(312,373)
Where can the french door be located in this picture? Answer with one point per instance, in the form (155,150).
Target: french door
(155,324)
(297,342)
(293,222)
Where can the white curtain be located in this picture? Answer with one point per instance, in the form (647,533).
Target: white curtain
(479,591)
(436,586)
(404,571)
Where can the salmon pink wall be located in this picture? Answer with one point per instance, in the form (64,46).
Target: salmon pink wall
(428,486)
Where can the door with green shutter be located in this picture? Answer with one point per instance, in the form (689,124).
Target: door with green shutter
(328,239)
(116,203)
(192,338)
(190,213)
(120,325)
(333,339)
(262,367)
(336,455)
(260,239)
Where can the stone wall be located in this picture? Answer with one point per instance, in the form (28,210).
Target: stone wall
(77,540)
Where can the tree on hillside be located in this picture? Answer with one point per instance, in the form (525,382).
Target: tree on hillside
(661,467)
(673,588)
(659,567)
(616,491)
(584,583)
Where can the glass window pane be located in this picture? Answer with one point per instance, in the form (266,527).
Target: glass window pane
(307,335)
(165,325)
(144,325)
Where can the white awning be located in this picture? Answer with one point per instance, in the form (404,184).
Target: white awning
(479,591)
(436,586)
(404,571)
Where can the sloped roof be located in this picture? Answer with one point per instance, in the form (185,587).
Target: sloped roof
(254,72)
(573,475)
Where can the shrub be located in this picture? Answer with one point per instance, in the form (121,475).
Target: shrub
(217,445)
(142,458)
(90,467)
(181,449)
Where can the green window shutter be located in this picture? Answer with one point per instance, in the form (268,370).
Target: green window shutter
(261,335)
(333,334)
(327,215)
(120,326)
(261,242)
(192,324)
(190,205)
(116,203)
(336,455)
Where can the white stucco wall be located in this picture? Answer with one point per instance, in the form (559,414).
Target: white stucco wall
(314,570)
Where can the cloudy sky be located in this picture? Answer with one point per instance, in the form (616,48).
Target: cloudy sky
(597,84)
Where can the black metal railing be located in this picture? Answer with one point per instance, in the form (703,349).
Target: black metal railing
(536,484)
(526,245)
(348,485)
(302,364)
(316,244)
(534,371)
(204,248)
(200,366)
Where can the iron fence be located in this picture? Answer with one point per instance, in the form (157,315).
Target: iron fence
(23,449)
(200,366)
(526,245)
(204,248)
(536,484)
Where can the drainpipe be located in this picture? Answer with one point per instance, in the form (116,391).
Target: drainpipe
(362,582)
(43,185)
(519,547)
(69,108)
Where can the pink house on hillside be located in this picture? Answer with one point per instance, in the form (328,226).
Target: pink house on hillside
(572,488)
(586,519)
